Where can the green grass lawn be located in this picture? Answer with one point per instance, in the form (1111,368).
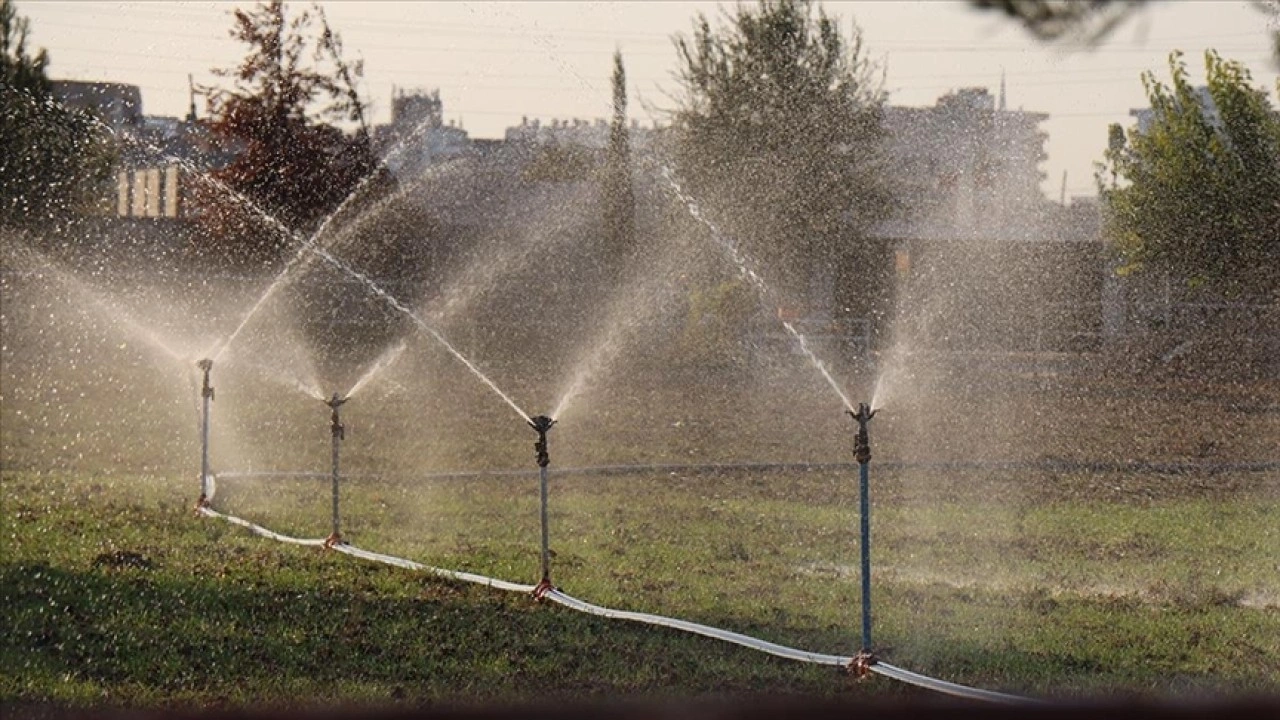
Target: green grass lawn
(115,593)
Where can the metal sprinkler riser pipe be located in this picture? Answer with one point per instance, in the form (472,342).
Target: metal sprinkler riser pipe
(206,394)
(862,453)
(541,424)
(339,434)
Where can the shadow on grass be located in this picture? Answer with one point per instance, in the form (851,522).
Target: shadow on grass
(132,637)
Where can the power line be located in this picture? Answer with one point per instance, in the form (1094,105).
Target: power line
(485,81)
(603,76)
(167,11)
(874,48)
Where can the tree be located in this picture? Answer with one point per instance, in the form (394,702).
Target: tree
(52,160)
(619,197)
(289,161)
(1092,20)
(779,133)
(1198,192)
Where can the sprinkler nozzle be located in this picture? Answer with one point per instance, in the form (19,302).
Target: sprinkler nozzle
(206,365)
(541,424)
(862,445)
(335,423)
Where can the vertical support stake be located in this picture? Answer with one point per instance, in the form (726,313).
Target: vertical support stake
(864,491)
(338,433)
(206,394)
(546,533)
(862,453)
(541,424)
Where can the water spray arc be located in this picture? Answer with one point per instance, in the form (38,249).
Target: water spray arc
(306,243)
(746,268)
(309,244)
(862,453)
(206,396)
(403,309)
(339,433)
(541,424)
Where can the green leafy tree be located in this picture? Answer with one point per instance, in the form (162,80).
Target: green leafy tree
(619,196)
(20,69)
(1198,192)
(53,160)
(779,133)
(290,159)
(1095,19)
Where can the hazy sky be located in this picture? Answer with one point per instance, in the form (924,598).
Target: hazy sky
(497,62)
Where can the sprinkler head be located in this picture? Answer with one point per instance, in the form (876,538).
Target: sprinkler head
(862,444)
(206,365)
(542,424)
(863,415)
(335,422)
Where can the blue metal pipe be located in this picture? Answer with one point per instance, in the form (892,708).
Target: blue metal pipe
(864,487)
(862,453)
(206,394)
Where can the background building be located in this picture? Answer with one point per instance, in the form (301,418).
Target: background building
(417,135)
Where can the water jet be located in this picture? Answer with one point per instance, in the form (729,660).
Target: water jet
(385,360)
(746,268)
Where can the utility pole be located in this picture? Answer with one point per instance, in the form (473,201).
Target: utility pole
(191,94)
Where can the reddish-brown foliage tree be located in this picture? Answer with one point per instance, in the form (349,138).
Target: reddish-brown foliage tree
(289,160)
